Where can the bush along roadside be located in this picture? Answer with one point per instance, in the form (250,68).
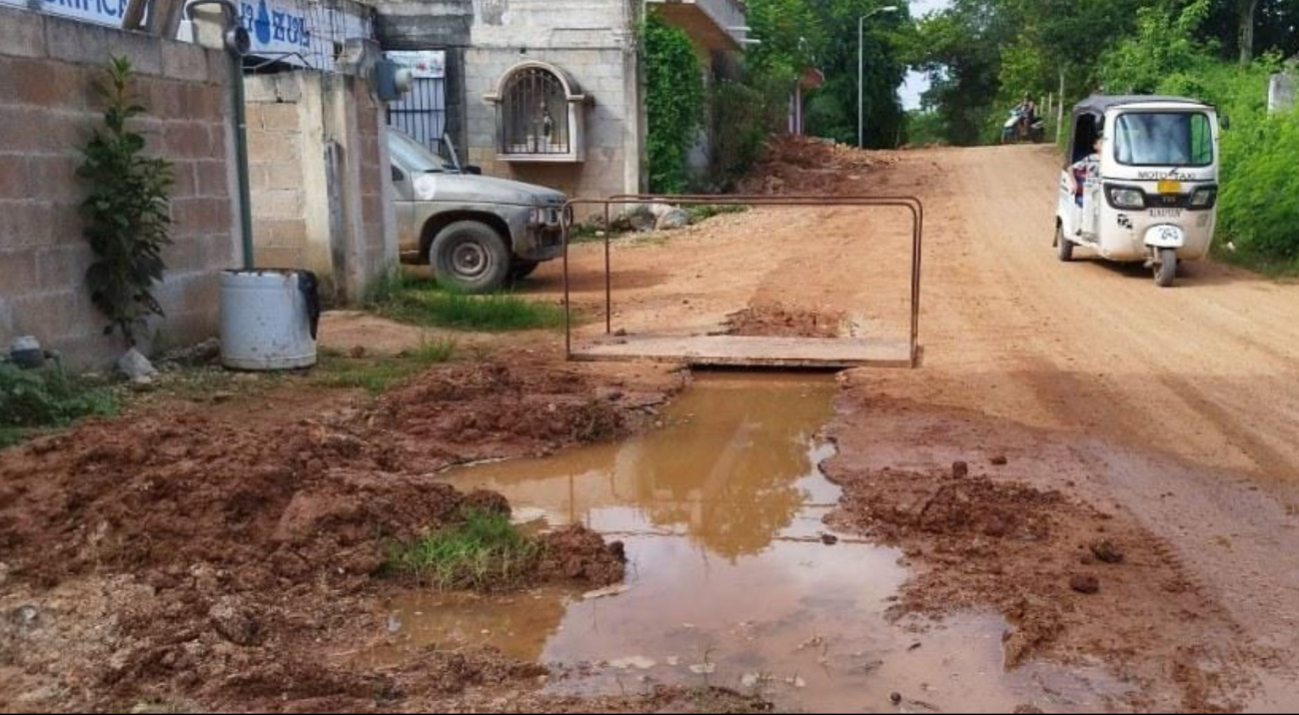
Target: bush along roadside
(33,400)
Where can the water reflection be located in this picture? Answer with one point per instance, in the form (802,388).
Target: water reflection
(728,470)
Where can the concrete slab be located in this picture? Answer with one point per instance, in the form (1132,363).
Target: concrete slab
(741,351)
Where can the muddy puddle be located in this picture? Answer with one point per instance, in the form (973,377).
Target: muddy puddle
(731,580)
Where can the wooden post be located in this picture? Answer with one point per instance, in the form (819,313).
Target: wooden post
(1059,111)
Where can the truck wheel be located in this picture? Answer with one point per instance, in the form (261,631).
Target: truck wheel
(1166,268)
(521,269)
(1063,246)
(470,256)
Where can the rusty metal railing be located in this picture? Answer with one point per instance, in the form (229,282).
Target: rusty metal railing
(911,203)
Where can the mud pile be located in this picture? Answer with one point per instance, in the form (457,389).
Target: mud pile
(782,322)
(803,165)
(500,411)
(1071,579)
(189,553)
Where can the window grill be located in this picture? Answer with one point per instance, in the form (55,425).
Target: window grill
(533,115)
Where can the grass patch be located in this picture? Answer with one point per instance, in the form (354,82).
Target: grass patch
(707,211)
(421,302)
(33,400)
(377,375)
(486,552)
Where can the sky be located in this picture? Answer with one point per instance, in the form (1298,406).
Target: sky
(917,83)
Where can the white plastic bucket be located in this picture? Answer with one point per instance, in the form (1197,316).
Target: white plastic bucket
(268,319)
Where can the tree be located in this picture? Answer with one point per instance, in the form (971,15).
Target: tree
(1248,13)
(127,210)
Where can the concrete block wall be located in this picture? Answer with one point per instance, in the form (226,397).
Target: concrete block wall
(607,76)
(593,40)
(320,179)
(49,107)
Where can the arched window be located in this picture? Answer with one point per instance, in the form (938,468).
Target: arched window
(538,114)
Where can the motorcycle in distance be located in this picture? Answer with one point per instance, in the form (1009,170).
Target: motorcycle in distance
(1019,129)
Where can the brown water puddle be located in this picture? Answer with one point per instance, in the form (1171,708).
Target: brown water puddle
(730,583)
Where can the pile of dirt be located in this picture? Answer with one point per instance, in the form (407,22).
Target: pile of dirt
(189,553)
(1072,579)
(779,321)
(502,410)
(804,165)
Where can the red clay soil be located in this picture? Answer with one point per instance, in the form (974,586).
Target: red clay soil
(783,322)
(157,555)
(803,165)
(1073,580)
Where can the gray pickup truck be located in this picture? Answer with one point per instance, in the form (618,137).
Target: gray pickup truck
(476,232)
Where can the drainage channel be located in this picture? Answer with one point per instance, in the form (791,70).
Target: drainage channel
(733,580)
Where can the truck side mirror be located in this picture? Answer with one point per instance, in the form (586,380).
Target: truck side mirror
(474,170)
(1226,122)
(398,175)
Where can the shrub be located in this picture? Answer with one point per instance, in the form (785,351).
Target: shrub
(674,99)
(127,212)
(46,398)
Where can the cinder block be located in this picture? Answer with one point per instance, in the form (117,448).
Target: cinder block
(277,204)
(83,43)
(186,179)
(24,223)
(187,139)
(186,254)
(277,117)
(18,272)
(15,182)
(53,177)
(63,266)
(44,83)
(213,178)
(280,257)
(183,61)
(283,175)
(22,34)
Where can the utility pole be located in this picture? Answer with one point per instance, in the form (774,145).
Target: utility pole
(861,71)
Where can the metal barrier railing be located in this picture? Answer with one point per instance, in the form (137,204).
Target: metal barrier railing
(911,203)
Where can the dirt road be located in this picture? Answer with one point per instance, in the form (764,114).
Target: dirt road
(1178,409)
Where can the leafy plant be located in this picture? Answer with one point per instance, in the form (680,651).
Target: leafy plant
(34,399)
(485,552)
(674,99)
(127,210)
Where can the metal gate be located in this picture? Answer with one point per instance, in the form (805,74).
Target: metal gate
(422,113)
(740,351)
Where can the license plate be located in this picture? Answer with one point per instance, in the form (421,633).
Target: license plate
(1169,186)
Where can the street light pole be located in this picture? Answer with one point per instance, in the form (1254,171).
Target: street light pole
(861,71)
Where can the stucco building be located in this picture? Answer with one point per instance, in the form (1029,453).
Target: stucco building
(545,91)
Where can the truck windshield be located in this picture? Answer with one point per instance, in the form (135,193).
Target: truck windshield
(1163,139)
(412,156)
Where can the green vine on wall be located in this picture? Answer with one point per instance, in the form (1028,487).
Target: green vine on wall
(127,210)
(675,101)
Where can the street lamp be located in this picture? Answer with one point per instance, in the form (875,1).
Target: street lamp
(861,70)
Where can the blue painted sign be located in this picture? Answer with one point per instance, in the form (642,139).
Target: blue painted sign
(101,12)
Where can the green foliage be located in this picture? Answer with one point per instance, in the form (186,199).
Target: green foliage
(1164,46)
(126,209)
(743,113)
(35,399)
(378,375)
(674,99)
(422,302)
(925,128)
(832,111)
(485,552)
